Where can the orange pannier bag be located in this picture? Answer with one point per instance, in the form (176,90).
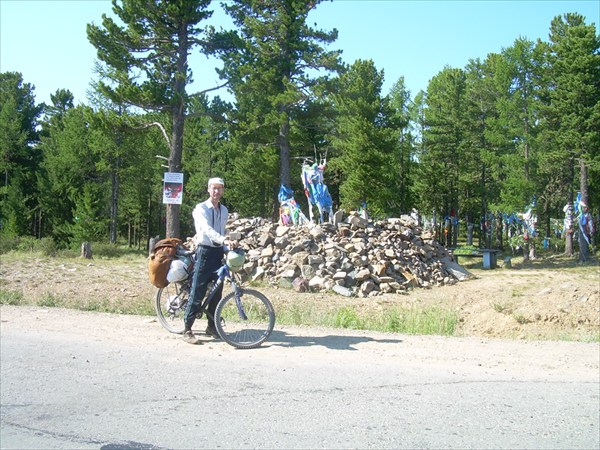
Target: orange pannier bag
(160,259)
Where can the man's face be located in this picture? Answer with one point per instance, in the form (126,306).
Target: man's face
(215,191)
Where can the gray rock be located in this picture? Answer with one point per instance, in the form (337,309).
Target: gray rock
(342,290)
(383,256)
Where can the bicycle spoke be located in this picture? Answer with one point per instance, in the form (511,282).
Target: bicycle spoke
(247,321)
(170,307)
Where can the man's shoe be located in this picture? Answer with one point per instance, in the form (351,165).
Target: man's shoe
(212,331)
(189,337)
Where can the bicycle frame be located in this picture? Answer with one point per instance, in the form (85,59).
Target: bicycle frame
(223,274)
(244,318)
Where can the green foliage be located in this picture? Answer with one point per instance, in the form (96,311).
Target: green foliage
(15,213)
(442,155)
(516,241)
(572,110)
(143,41)
(108,250)
(19,158)
(481,139)
(272,87)
(427,321)
(8,243)
(89,218)
(253,186)
(404,118)
(364,141)
(45,246)
(144,62)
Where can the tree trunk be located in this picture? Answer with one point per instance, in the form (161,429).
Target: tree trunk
(114,205)
(532,252)
(498,244)
(470,234)
(149,218)
(178,120)
(569,243)
(483,206)
(584,247)
(284,152)
(455,229)
(569,228)
(569,232)
(173,210)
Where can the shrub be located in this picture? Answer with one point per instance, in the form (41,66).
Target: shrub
(8,243)
(29,244)
(11,298)
(108,250)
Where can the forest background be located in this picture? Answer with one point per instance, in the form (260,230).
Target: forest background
(482,141)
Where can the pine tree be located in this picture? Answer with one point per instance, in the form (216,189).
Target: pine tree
(444,142)
(363,141)
(573,108)
(19,155)
(271,71)
(155,42)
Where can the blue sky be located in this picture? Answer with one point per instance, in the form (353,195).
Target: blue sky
(46,41)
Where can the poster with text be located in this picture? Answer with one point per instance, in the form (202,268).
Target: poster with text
(173,188)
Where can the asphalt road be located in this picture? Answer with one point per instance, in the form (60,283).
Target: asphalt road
(74,380)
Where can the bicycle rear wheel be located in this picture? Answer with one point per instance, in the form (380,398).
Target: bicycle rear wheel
(245,321)
(170,307)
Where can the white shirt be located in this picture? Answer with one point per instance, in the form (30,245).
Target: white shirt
(210,223)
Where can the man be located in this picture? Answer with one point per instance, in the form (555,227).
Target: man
(210,218)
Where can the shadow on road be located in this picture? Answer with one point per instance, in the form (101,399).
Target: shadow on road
(282,339)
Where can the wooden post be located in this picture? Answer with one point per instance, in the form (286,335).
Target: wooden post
(86,250)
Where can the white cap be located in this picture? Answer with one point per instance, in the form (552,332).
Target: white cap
(216,181)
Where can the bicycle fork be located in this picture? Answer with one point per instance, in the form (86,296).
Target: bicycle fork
(238,302)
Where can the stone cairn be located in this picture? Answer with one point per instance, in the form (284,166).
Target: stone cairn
(351,256)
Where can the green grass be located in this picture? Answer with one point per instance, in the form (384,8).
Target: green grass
(520,318)
(430,321)
(465,250)
(50,301)
(139,307)
(499,307)
(11,298)
(516,292)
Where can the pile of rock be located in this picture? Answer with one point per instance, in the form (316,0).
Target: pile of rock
(351,256)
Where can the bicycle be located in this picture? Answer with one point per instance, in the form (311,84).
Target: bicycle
(244,318)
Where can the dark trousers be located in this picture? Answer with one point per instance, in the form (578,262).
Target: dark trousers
(208,261)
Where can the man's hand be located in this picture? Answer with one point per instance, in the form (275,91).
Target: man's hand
(231,243)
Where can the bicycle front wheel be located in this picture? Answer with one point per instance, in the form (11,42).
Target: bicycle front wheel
(245,320)
(170,307)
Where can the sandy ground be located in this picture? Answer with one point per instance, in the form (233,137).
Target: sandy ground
(547,299)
